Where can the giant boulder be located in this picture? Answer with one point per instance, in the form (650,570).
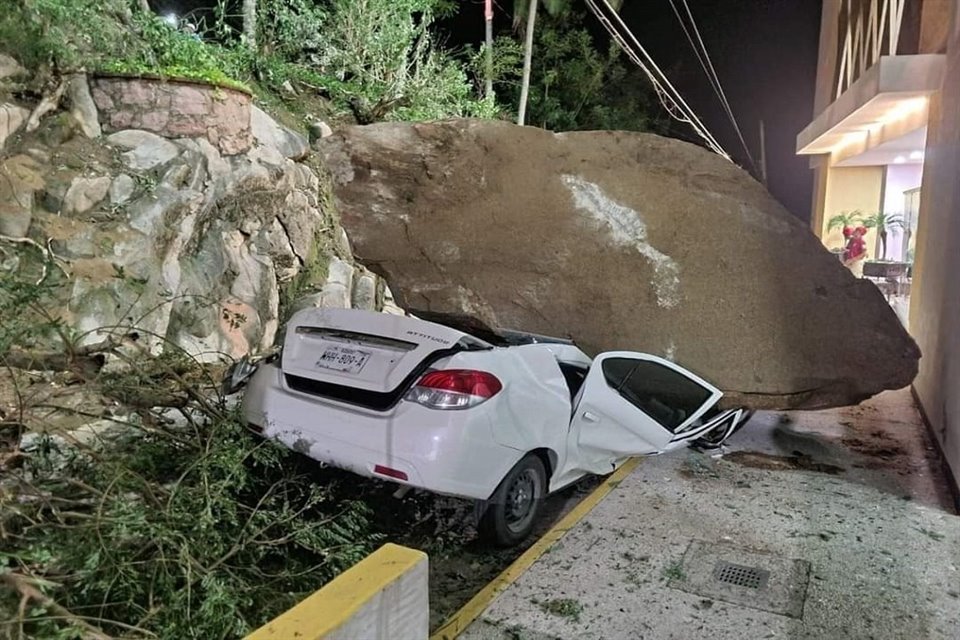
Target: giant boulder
(620,241)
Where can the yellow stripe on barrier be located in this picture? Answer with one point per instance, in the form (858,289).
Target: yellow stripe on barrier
(459,621)
(329,608)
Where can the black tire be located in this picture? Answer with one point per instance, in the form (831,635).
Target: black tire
(513,508)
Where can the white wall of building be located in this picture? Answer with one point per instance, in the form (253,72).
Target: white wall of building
(899,178)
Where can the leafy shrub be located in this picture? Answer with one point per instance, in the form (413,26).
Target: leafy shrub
(201,533)
(575,85)
(383,60)
(108,36)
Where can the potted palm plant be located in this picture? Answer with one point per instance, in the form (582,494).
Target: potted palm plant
(883,222)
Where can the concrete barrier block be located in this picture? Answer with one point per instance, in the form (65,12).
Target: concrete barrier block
(383,596)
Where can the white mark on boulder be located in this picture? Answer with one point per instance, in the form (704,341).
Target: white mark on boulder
(671,352)
(627,228)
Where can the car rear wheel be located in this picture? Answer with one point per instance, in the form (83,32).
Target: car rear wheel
(513,508)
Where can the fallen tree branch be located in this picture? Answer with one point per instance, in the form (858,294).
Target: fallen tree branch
(26,587)
(48,103)
(89,358)
(47,251)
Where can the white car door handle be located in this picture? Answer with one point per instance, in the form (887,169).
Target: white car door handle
(589,417)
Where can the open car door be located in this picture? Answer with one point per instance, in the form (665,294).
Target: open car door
(635,404)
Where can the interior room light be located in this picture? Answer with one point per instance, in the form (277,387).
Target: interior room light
(916,155)
(899,160)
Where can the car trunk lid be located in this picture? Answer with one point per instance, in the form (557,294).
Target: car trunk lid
(364,357)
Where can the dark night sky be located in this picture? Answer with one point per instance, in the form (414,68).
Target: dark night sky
(765,54)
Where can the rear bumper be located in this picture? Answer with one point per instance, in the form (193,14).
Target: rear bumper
(447,452)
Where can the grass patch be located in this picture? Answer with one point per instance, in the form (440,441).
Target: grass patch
(674,571)
(563,607)
(309,279)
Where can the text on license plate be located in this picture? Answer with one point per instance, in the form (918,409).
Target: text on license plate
(344,359)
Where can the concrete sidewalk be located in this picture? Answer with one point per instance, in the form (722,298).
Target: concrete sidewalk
(831,524)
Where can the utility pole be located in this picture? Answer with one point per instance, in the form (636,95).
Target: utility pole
(488,19)
(763,154)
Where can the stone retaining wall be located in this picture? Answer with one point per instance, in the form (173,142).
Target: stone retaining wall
(175,109)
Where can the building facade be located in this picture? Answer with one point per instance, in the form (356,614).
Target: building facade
(884,146)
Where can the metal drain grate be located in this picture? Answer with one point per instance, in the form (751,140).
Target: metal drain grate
(744,577)
(741,576)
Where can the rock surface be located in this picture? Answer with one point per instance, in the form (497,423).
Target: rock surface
(9,67)
(19,179)
(85,193)
(146,150)
(12,118)
(270,133)
(82,106)
(620,241)
(191,248)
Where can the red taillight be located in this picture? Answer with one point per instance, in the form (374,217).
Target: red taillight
(454,389)
(390,473)
(474,383)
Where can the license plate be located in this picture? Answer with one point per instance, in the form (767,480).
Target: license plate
(345,359)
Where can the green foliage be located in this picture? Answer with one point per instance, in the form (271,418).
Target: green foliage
(290,29)
(555,8)
(310,278)
(844,219)
(66,34)
(167,51)
(173,525)
(883,221)
(386,64)
(205,532)
(28,285)
(575,86)
(106,36)
(379,59)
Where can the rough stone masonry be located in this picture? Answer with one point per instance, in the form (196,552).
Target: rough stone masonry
(621,241)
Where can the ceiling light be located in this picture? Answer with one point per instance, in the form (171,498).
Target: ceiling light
(916,155)
(899,160)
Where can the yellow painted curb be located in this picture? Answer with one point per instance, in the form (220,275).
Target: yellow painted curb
(459,621)
(335,603)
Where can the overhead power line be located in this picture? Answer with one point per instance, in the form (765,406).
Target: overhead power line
(669,97)
(707,65)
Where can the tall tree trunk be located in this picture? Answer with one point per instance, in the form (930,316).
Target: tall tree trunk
(527,61)
(488,20)
(250,23)
(144,6)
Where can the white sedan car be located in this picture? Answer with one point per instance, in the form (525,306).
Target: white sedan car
(503,420)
